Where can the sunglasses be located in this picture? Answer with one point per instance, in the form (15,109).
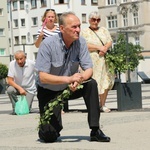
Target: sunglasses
(93,19)
(50,9)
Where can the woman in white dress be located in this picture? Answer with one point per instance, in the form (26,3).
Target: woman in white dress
(99,41)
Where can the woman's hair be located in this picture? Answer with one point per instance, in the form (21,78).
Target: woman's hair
(63,16)
(94,14)
(47,11)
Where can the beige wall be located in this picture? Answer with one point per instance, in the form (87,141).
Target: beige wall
(4,25)
(143,28)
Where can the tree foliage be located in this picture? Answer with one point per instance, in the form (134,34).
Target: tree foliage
(123,57)
(3,71)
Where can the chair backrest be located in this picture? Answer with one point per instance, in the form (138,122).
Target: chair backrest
(144,77)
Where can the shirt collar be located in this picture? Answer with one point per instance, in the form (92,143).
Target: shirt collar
(63,44)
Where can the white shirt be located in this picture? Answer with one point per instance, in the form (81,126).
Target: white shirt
(24,76)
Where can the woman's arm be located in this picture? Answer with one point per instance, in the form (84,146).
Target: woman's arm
(39,40)
(93,47)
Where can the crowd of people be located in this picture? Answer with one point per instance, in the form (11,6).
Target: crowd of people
(63,50)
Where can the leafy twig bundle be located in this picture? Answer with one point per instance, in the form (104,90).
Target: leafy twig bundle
(45,118)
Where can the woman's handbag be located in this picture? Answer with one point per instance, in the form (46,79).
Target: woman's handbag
(21,106)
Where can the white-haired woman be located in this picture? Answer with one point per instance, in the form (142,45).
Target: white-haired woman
(99,41)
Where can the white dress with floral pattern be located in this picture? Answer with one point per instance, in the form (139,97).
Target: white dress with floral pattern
(104,78)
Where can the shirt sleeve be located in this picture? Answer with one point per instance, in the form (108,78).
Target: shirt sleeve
(43,61)
(11,70)
(85,58)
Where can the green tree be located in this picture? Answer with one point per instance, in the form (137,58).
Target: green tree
(3,71)
(123,57)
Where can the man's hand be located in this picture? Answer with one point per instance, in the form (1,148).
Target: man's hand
(77,77)
(73,86)
(76,80)
(22,91)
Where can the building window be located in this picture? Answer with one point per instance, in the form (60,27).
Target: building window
(83,18)
(35,55)
(9,42)
(135,18)
(94,1)
(2,52)
(1,32)
(82,2)
(34,21)
(23,39)
(16,40)
(34,37)
(15,23)
(43,3)
(8,8)
(137,40)
(33,4)
(112,22)
(125,20)
(21,4)
(1,12)
(23,22)
(61,1)
(15,5)
(111,2)
(114,42)
(8,24)
(59,14)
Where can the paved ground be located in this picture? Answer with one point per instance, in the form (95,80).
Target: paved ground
(129,130)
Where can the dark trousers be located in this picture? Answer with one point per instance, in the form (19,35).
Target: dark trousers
(89,92)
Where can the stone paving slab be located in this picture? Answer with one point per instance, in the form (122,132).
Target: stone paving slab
(129,130)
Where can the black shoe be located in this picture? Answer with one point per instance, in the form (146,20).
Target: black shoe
(13,113)
(99,136)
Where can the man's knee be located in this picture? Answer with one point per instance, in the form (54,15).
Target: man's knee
(92,83)
(48,134)
(11,90)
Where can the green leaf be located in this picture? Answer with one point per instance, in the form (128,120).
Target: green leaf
(121,59)
(58,101)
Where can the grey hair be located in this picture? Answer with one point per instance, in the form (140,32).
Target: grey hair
(94,14)
(64,15)
(19,51)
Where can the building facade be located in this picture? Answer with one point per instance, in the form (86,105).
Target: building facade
(21,19)
(4,43)
(26,19)
(130,18)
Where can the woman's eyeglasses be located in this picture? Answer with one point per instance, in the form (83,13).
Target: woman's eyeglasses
(94,19)
(50,9)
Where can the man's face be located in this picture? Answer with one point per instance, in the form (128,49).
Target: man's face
(71,29)
(20,58)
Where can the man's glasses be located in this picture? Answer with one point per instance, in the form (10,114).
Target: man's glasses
(94,19)
(50,9)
